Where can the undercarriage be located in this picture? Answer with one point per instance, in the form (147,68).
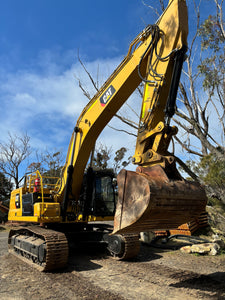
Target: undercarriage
(47,249)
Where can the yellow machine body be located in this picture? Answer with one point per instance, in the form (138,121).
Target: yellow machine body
(34,207)
(155,196)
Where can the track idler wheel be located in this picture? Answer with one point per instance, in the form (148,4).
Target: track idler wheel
(123,247)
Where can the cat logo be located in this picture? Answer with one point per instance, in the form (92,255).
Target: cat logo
(107,95)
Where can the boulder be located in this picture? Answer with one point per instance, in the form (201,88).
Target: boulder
(205,248)
(186,249)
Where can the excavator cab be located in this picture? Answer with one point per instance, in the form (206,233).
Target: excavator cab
(97,197)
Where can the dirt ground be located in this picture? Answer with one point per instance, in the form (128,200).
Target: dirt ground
(154,274)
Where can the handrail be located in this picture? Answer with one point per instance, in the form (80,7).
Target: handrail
(45,183)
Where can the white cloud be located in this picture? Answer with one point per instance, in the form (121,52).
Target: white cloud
(47,105)
(23,100)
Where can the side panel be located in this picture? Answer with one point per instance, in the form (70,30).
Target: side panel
(23,208)
(15,206)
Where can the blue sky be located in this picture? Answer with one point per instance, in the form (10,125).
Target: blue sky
(39,42)
(98,28)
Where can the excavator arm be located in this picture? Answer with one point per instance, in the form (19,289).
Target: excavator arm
(155,57)
(100,110)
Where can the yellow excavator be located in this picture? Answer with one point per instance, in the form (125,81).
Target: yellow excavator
(76,207)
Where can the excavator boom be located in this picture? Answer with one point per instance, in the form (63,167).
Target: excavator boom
(155,57)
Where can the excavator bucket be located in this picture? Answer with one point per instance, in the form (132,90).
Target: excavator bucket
(149,200)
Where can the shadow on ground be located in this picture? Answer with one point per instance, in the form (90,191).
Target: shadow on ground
(213,282)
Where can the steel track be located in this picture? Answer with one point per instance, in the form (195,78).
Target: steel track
(56,245)
(132,247)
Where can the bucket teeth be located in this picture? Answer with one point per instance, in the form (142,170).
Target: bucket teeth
(150,201)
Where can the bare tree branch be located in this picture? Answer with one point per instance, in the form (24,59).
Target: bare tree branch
(187,148)
(12,154)
(187,169)
(89,75)
(220,15)
(126,121)
(152,8)
(122,130)
(136,114)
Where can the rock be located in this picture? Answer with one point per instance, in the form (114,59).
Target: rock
(206,248)
(215,248)
(215,236)
(219,241)
(147,237)
(201,248)
(186,249)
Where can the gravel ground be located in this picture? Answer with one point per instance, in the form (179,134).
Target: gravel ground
(154,274)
